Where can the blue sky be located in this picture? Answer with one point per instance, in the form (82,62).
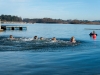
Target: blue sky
(56,9)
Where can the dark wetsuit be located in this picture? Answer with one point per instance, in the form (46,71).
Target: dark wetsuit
(92,34)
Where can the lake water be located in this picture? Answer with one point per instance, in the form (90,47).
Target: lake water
(23,56)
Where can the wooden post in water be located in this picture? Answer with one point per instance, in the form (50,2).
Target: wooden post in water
(0,26)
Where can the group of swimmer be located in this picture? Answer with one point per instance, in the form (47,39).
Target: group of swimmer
(54,39)
(72,39)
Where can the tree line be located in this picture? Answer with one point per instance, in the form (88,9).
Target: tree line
(7,18)
(11,18)
(50,20)
(43,20)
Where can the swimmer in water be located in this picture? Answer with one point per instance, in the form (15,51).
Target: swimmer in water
(54,39)
(41,38)
(72,40)
(35,37)
(93,33)
(11,37)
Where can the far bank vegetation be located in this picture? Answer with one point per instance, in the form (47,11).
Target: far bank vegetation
(10,18)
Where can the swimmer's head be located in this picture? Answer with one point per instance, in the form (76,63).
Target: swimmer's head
(41,38)
(72,39)
(54,39)
(93,32)
(35,37)
(10,36)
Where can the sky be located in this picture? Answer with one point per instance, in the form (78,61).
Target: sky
(56,9)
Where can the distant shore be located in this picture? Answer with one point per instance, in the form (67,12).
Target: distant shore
(13,22)
(48,23)
(9,19)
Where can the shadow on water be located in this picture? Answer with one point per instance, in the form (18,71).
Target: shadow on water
(23,44)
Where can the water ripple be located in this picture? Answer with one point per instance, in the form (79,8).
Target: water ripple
(20,44)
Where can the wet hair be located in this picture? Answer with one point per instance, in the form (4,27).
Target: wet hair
(72,38)
(11,36)
(41,38)
(53,38)
(35,37)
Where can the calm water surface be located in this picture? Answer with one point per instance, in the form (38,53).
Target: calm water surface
(24,56)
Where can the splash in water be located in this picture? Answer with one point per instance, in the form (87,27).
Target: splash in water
(20,44)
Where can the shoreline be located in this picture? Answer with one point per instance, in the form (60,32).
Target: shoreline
(47,23)
(7,22)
